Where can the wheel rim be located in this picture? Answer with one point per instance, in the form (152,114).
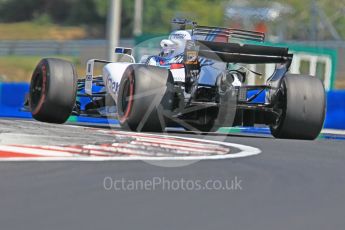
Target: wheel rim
(278,125)
(127,98)
(38,89)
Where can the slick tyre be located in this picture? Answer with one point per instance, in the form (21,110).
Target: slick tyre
(53,90)
(303,108)
(145,98)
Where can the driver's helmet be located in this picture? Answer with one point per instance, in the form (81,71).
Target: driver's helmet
(175,44)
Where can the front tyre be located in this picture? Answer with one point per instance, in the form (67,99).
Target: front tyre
(303,108)
(53,90)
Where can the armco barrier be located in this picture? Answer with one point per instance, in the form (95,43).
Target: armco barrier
(12,97)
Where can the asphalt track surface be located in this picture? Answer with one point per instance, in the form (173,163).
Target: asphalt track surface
(291,185)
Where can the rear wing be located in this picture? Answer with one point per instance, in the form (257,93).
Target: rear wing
(236,53)
(217,34)
(225,34)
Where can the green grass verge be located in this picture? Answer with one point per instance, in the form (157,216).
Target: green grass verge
(20,68)
(39,31)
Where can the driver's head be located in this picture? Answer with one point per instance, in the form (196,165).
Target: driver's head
(175,44)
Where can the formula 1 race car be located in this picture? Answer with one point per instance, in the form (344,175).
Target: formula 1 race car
(198,81)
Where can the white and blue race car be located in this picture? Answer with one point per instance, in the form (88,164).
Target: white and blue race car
(198,82)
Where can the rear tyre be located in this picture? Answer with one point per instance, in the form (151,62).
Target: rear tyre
(53,90)
(145,98)
(303,108)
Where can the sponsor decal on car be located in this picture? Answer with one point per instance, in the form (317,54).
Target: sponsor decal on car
(113,86)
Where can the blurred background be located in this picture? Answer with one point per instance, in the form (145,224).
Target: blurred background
(78,29)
